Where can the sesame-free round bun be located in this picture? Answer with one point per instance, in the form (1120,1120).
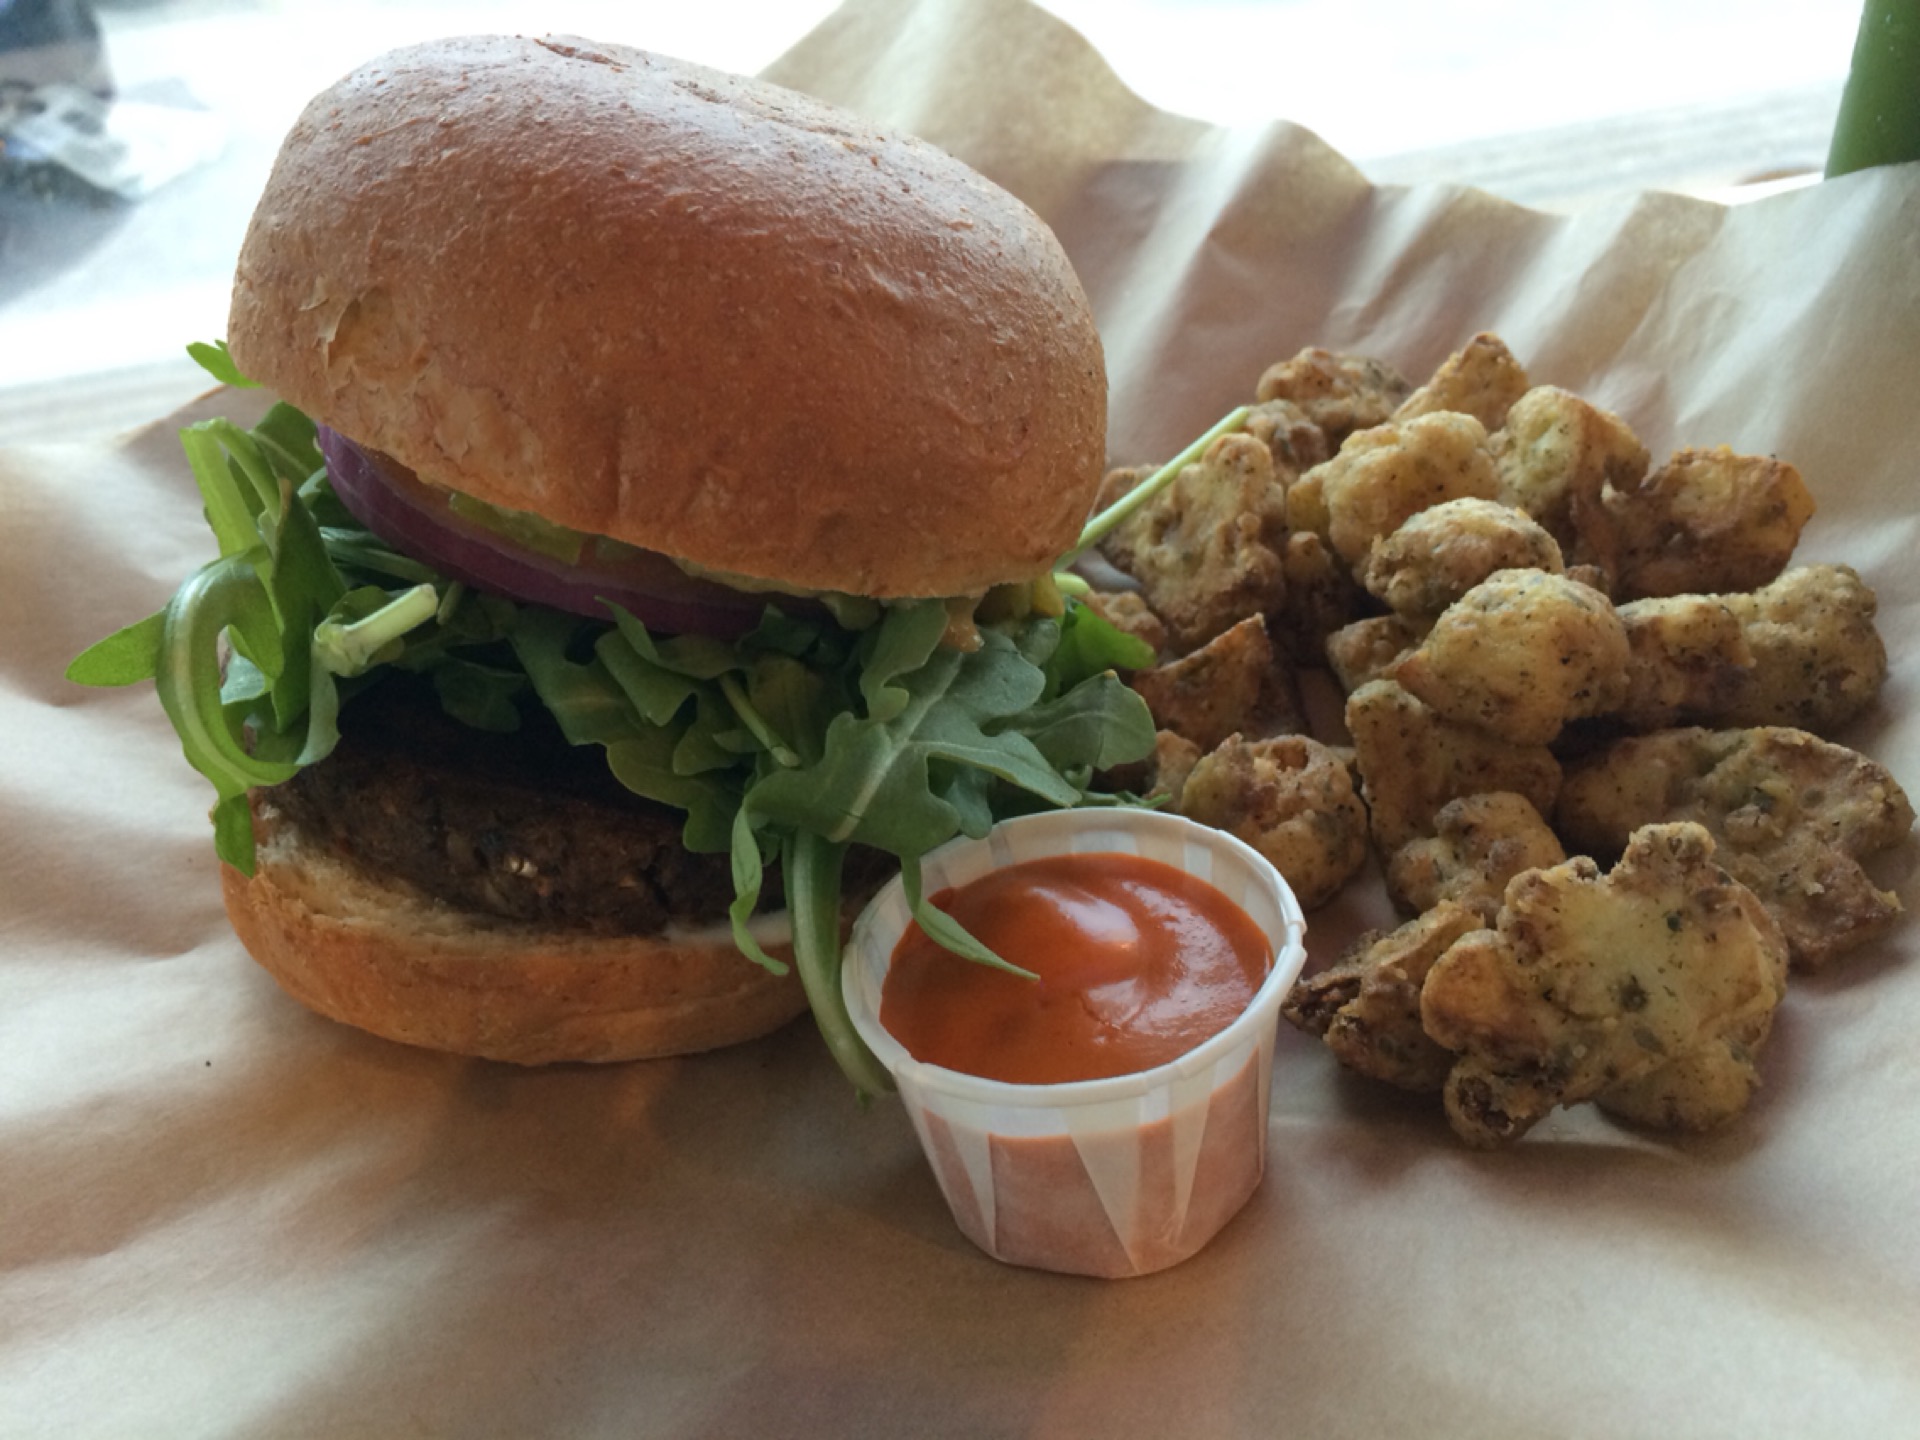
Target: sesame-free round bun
(378,955)
(699,313)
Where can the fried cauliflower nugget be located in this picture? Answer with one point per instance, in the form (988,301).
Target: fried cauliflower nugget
(1794,816)
(1690,660)
(1818,660)
(1479,843)
(1366,1005)
(1802,651)
(1384,475)
(1441,553)
(1337,393)
(1697,1091)
(1233,684)
(1173,759)
(1520,655)
(1412,761)
(1367,649)
(1322,596)
(1292,799)
(1307,504)
(1290,435)
(1481,379)
(1706,522)
(1592,983)
(1206,550)
(1556,456)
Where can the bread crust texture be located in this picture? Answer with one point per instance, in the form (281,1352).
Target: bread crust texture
(696,312)
(379,956)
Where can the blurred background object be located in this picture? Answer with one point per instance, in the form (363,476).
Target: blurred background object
(1879,120)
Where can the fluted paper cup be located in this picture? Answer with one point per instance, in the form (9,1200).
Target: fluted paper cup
(1110,1177)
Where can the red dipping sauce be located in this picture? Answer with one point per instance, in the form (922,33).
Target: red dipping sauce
(1138,963)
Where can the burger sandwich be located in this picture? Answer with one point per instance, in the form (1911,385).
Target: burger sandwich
(653,539)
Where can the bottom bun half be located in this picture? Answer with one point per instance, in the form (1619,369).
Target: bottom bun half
(379,956)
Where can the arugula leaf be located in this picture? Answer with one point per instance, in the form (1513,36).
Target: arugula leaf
(590,706)
(1098,724)
(657,692)
(483,696)
(217,361)
(749,870)
(811,867)
(125,657)
(871,786)
(1090,644)
(902,644)
(944,930)
(644,763)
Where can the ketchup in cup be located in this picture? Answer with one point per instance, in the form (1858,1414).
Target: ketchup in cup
(1135,963)
(1108,1116)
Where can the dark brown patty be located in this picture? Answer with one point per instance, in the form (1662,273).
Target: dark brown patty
(522,826)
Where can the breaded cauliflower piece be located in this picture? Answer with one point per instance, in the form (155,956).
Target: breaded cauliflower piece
(1366,1005)
(1412,761)
(1217,691)
(1818,659)
(1173,759)
(1794,815)
(1690,660)
(1322,595)
(1479,843)
(1802,651)
(1556,457)
(1520,655)
(1592,983)
(1384,475)
(1291,437)
(1441,553)
(1292,799)
(1206,550)
(1307,504)
(1367,649)
(1706,522)
(1481,379)
(1338,393)
(1700,1090)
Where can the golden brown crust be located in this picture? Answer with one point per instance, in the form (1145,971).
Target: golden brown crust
(386,960)
(699,313)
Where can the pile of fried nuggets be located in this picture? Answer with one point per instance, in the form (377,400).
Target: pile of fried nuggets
(1555,657)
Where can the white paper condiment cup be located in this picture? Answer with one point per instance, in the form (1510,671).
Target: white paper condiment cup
(1112,1177)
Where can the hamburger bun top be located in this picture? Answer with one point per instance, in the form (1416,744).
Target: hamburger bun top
(698,313)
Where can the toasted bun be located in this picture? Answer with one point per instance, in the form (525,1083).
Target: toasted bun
(699,313)
(383,958)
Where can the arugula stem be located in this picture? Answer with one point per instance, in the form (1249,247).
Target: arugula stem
(348,649)
(220,595)
(245,450)
(1108,519)
(756,723)
(456,591)
(811,868)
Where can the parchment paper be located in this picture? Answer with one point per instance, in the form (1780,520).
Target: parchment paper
(220,1215)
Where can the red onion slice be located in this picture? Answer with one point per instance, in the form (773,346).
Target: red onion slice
(386,498)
